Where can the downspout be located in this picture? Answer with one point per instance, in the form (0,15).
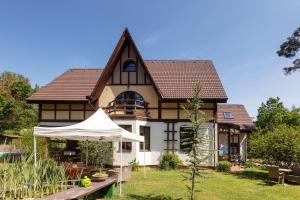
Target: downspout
(89,98)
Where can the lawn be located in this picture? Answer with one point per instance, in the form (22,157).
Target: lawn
(167,185)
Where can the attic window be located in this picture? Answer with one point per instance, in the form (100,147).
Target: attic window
(129,66)
(228,115)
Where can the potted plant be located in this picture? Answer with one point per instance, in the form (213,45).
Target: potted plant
(100,176)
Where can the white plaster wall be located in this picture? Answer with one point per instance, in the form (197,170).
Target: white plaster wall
(208,133)
(157,143)
(243,146)
(216,157)
(127,156)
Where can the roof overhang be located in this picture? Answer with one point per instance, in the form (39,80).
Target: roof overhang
(205,100)
(56,101)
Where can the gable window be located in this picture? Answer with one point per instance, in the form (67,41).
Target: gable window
(145,131)
(185,134)
(129,98)
(129,66)
(126,146)
(228,115)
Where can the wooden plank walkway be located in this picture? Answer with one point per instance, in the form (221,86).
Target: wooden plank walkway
(78,192)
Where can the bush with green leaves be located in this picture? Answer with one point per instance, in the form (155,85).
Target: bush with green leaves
(98,152)
(170,161)
(25,143)
(224,166)
(134,165)
(280,146)
(249,164)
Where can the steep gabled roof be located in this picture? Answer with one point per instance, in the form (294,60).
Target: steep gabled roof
(175,78)
(125,39)
(72,85)
(239,117)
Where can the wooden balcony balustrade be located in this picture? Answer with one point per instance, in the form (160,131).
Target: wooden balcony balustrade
(129,108)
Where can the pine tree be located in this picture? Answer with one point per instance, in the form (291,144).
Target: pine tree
(289,49)
(196,144)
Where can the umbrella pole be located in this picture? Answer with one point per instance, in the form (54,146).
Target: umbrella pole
(144,160)
(87,153)
(34,147)
(121,166)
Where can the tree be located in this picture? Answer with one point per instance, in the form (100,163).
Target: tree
(273,114)
(280,146)
(25,143)
(270,114)
(196,143)
(15,113)
(289,49)
(277,138)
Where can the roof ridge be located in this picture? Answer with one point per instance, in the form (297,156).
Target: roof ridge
(230,104)
(82,68)
(180,60)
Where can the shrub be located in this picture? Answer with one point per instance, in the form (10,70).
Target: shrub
(98,152)
(280,146)
(134,165)
(224,166)
(170,161)
(25,143)
(249,164)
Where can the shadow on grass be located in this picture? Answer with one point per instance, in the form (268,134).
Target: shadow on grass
(152,197)
(255,175)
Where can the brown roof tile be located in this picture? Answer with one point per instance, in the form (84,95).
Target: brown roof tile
(240,115)
(72,85)
(175,78)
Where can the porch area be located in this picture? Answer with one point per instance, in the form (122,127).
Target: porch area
(232,144)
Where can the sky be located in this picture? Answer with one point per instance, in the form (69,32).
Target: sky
(42,39)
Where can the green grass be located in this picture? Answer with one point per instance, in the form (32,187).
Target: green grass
(167,185)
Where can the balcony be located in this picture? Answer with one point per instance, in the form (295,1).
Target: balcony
(128,109)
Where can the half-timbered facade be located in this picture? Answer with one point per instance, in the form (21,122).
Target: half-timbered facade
(143,96)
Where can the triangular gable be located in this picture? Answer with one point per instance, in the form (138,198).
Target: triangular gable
(114,58)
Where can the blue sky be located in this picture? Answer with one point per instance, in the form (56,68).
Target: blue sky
(41,39)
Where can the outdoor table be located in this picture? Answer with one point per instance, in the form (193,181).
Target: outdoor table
(69,155)
(284,171)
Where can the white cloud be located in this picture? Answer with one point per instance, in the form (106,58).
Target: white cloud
(152,39)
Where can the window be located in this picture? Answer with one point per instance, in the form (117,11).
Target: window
(126,146)
(130,97)
(228,115)
(129,66)
(185,134)
(145,131)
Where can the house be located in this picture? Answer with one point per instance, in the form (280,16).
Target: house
(142,96)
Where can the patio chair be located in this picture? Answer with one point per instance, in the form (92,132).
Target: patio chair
(294,176)
(275,174)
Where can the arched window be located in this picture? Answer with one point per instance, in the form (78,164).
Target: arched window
(130,97)
(129,66)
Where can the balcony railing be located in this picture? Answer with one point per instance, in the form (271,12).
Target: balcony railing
(129,108)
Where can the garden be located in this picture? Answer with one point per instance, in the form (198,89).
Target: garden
(276,141)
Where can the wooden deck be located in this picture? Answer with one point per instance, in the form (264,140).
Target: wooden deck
(78,192)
